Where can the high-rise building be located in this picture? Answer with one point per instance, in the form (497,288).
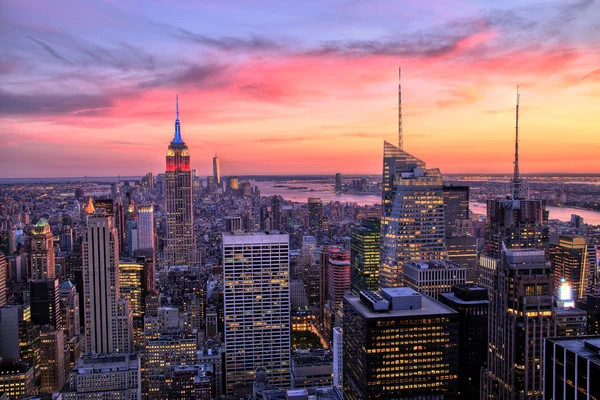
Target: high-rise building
(456,206)
(42,251)
(3,272)
(180,242)
(433,277)
(338,358)
(315,217)
(463,250)
(365,254)
(105,376)
(338,277)
(44,300)
(52,361)
(571,368)
(575,261)
(145,226)
(256,276)
(521,288)
(69,310)
(17,380)
(217,170)
(233,183)
(338,183)
(412,224)
(399,344)
(101,287)
(592,307)
(276,213)
(472,304)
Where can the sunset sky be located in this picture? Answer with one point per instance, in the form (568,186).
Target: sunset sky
(280,87)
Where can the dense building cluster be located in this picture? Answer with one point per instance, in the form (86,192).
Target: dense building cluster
(178,286)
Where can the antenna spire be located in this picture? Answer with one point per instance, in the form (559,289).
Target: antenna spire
(177,137)
(400,134)
(517,182)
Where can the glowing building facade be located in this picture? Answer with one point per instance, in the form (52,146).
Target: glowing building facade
(399,344)
(365,254)
(412,225)
(257,307)
(146,226)
(180,244)
(42,251)
(575,261)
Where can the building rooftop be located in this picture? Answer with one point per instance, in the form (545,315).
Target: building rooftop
(433,264)
(429,306)
(452,297)
(584,346)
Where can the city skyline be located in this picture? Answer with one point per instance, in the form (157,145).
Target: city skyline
(266,90)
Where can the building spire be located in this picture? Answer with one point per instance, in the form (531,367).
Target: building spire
(400,138)
(177,138)
(517,182)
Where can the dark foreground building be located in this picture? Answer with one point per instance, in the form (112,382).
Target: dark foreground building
(399,344)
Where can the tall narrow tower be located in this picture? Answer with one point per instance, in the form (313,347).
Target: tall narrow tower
(180,246)
(412,224)
(400,133)
(42,251)
(217,170)
(517,182)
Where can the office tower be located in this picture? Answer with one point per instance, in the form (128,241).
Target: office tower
(338,277)
(338,183)
(42,251)
(105,376)
(52,361)
(3,273)
(463,250)
(217,170)
(456,206)
(399,344)
(69,314)
(433,277)
(412,225)
(571,368)
(338,358)
(520,318)
(146,226)
(472,304)
(44,300)
(276,213)
(575,261)
(257,307)
(134,283)
(192,382)
(66,238)
(576,221)
(365,254)
(9,332)
(115,191)
(101,287)
(162,353)
(180,242)
(315,218)
(17,380)
(121,225)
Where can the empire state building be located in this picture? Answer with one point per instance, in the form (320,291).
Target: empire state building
(180,245)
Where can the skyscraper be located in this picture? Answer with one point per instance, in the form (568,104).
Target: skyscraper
(257,307)
(146,226)
(101,286)
(45,307)
(456,205)
(315,217)
(338,183)
(399,344)
(365,254)
(412,225)
(575,261)
(3,269)
(520,320)
(217,170)
(180,244)
(42,251)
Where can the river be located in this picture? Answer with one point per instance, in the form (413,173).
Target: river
(303,190)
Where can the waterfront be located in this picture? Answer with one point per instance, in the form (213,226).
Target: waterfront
(302,190)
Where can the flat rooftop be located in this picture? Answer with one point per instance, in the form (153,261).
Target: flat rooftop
(428,307)
(255,237)
(452,297)
(584,346)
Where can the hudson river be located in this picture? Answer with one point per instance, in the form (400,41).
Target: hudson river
(301,191)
